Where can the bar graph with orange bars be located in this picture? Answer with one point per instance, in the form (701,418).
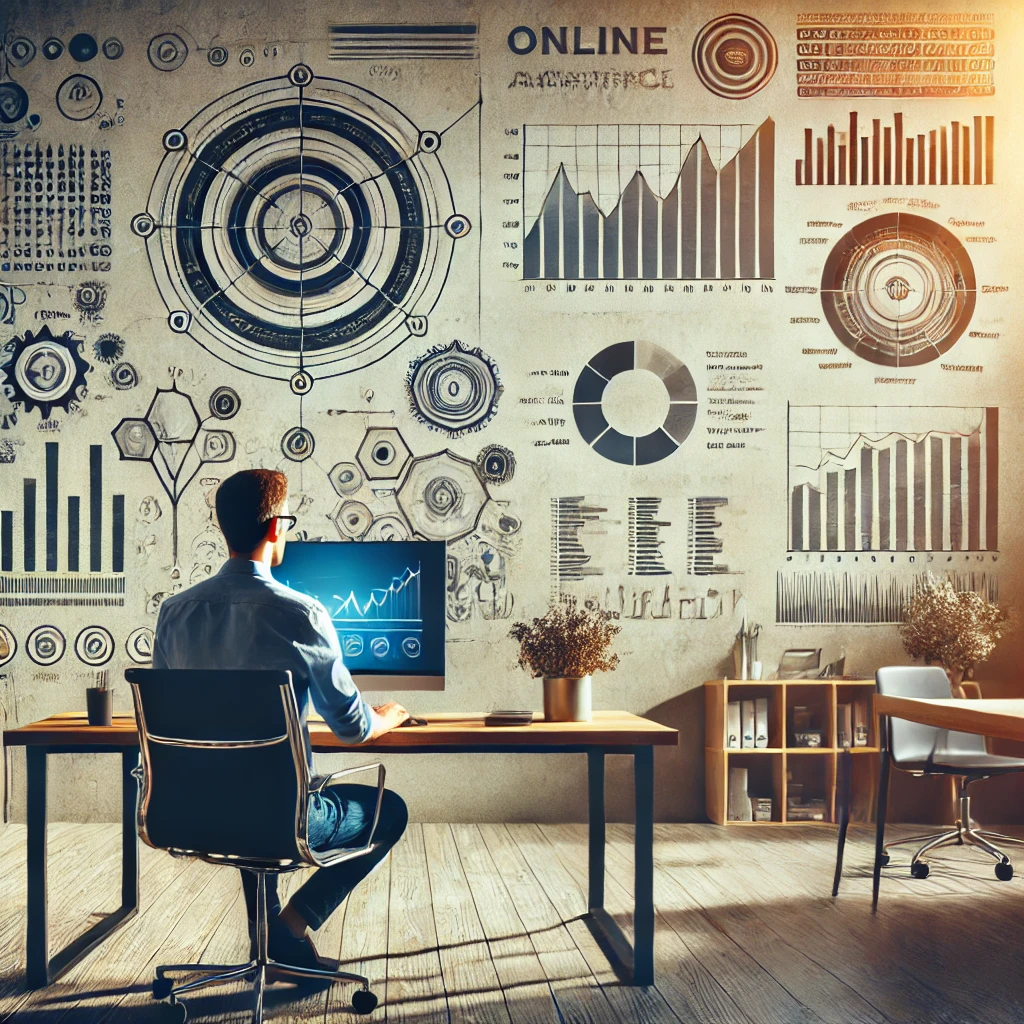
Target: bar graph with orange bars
(870,153)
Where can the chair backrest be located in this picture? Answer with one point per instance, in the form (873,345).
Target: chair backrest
(910,742)
(225,770)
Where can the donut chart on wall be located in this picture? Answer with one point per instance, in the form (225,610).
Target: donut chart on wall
(899,289)
(300,227)
(591,414)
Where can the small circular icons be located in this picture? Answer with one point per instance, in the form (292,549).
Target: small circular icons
(139,645)
(351,645)
(301,383)
(217,56)
(300,75)
(353,519)
(458,226)
(79,97)
(297,444)
(497,465)
(52,48)
(430,142)
(90,298)
(247,57)
(167,52)
(174,140)
(124,376)
(225,403)
(379,647)
(8,645)
(346,478)
(45,645)
(83,47)
(411,646)
(13,102)
(179,321)
(142,225)
(735,56)
(94,646)
(113,48)
(21,51)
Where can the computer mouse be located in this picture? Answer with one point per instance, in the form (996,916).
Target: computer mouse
(413,721)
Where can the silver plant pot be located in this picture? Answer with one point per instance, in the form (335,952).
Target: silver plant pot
(567,699)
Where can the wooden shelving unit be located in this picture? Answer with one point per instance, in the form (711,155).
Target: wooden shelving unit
(771,767)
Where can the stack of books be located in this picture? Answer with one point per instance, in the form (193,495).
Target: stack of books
(798,809)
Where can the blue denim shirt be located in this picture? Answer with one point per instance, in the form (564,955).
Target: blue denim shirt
(244,618)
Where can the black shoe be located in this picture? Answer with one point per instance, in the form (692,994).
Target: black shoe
(286,949)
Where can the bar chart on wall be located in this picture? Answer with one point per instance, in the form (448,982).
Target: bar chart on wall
(864,152)
(893,478)
(649,202)
(53,549)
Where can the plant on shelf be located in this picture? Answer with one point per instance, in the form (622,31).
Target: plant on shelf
(955,629)
(564,648)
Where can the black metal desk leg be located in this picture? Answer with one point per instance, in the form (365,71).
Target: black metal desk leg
(129,835)
(643,867)
(883,800)
(37,944)
(595,789)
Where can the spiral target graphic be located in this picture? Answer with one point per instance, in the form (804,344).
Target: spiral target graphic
(46,645)
(94,646)
(735,56)
(454,389)
(899,290)
(299,226)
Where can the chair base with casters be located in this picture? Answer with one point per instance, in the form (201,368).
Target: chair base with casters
(962,834)
(363,1000)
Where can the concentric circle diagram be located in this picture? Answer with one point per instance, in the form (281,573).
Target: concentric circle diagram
(590,406)
(735,56)
(296,224)
(898,290)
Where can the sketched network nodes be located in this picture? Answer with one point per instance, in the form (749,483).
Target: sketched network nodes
(454,388)
(44,371)
(442,496)
(298,224)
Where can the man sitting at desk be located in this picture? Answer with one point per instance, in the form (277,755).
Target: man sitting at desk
(243,618)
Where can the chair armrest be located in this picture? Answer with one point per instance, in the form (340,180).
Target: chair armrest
(317,784)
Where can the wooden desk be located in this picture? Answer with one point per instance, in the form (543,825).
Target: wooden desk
(611,732)
(999,718)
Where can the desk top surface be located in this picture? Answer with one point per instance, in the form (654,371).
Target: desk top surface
(1000,718)
(444,729)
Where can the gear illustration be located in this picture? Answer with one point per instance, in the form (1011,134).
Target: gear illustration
(44,371)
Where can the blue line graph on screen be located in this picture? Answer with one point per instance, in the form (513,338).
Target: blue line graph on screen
(301,227)
(398,602)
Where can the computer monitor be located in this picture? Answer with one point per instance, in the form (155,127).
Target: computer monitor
(387,602)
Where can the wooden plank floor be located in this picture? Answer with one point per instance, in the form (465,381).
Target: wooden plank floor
(482,924)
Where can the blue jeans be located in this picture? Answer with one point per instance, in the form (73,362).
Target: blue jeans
(340,816)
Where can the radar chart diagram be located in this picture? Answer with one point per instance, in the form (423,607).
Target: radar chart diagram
(899,290)
(300,227)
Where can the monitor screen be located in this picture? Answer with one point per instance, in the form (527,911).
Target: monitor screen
(387,602)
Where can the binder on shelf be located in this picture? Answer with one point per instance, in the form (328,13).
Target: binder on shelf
(860,723)
(739,802)
(844,726)
(761,722)
(732,725)
(747,720)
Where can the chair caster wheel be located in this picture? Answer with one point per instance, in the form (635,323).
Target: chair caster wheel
(885,859)
(364,1001)
(919,869)
(1004,872)
(162,988)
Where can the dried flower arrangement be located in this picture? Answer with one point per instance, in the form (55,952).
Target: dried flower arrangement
(567,642)
(957,629)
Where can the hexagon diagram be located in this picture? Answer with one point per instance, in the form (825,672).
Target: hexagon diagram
(383,454)
(442,496)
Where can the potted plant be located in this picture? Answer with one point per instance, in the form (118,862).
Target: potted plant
(564,648)
(955,629)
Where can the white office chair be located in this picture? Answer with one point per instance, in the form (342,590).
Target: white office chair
(926,750)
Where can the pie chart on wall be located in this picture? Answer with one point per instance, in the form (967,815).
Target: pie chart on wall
(634,403)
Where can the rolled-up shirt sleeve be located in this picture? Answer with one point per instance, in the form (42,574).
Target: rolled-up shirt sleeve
(332,690)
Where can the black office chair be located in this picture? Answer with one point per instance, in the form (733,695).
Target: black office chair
(225,778)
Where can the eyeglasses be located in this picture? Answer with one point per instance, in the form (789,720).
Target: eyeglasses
(289,522)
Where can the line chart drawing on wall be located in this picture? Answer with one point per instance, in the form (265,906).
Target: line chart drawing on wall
(952,155)
(634,403)
(861,598)
(454,388)
(301,227)
(893,478)
(58,204)
(177,443)
(59,574)
(648,201)
(899,289)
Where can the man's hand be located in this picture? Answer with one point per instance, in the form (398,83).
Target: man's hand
(387,717)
